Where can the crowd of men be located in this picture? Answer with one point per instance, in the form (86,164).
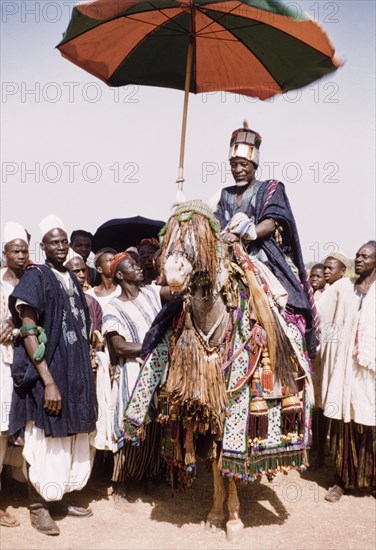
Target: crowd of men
(57,372)
(71,337)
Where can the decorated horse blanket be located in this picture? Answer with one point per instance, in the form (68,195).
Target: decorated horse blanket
(264,429)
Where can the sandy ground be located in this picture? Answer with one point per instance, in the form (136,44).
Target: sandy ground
(289,513)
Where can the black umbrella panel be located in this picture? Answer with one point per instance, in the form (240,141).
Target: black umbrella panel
(122,233)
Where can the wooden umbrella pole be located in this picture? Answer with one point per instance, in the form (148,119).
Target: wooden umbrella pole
(187,84)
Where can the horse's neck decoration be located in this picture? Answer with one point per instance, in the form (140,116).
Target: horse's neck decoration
(198,264)
(234,356)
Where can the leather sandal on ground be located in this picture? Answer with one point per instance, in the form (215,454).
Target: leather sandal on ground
(79,511)
(70,510)
(43,522)
(334,494)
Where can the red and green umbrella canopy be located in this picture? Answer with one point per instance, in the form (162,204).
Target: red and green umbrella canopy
(252,47)
(257,48)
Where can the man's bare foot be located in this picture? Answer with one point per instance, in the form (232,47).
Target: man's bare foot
(6,520)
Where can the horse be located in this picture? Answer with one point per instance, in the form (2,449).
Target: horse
(234,370)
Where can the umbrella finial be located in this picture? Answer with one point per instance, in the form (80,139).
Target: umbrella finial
(245,124)
(179,198)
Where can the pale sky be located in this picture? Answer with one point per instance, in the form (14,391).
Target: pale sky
(74,147)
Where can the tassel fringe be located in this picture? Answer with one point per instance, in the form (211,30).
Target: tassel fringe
(196,384)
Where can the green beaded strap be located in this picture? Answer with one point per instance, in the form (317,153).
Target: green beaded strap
(42,339)
(28,327)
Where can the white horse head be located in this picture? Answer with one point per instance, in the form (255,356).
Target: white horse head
(178,270)
(192,250)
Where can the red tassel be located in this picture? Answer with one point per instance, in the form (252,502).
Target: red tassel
(258,419)
(258,427)
(292,415)
(267,379)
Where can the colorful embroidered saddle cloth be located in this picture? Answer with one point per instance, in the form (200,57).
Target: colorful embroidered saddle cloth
(243,457)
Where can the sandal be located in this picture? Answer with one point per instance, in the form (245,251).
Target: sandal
(334,494)
(6,520)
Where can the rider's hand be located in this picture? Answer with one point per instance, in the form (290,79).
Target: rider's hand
(230,238)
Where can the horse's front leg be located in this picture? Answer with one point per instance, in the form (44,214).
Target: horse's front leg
(234,526)
(216,517)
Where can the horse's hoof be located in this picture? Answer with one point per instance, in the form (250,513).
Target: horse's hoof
(214,523)
(234,527)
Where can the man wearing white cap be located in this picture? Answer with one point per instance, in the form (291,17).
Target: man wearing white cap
(54,397)
(16,254)
(258,213)
(335,267)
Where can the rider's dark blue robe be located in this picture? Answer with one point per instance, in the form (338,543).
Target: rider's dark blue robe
(276,257)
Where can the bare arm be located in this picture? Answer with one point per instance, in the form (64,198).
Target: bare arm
(121,348)
(265,228)
(165,294)
(52,396)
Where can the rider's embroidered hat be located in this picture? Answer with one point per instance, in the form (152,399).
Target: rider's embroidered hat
(245,143)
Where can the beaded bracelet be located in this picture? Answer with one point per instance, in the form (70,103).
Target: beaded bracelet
(34,330)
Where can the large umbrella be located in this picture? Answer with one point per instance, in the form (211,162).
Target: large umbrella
(256,48)
(124,232)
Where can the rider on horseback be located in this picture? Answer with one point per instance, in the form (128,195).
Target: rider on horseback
(258,214)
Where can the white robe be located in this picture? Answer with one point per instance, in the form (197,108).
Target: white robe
(12,456)
(348,387)
(57,465)
(6,357)
(104,300)
(131,320)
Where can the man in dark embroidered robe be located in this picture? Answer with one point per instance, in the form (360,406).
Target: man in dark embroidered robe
(54,398)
